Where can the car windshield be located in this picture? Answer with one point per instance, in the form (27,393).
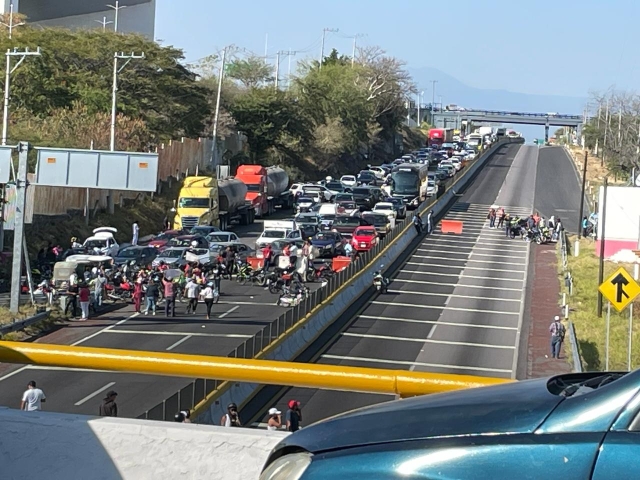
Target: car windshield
(324,236)
(180,242)
(344,196)
(189,202)
(405,183)
(217,237)
(305,200)
(361,191)
(273,233)
(335,186)
(172,253)
(348,205)
(347,221)
(307,219)
(377,220)
(431,183)
(95,243)
(348,178)
(129,253)
(327,218)
(383,206)
(366,232)
(312,189)
(203,229)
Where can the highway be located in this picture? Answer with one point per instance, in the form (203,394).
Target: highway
(456,305)
(241,313)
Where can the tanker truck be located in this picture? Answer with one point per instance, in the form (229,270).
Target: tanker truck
(267,188)
(209,201)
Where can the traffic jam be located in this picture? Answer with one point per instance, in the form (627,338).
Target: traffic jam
(332,222)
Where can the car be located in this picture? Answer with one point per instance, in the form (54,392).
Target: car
(344,197)
(348,180)
(304,204)
(314,191)
(432,188)
(162,239)
(365,196)
(303,232)
(457,164)
(399,206)
(203,230)
(364,238)
(345,225)
(450,169)
(385,208)
(222,239)
(380,221)
(326,220)
(307,219)
(367,177)
(347,208)
(176,257)
(138,254)
(585,426)
(335,187)
(379,172)
(102,242)
(442,173)
(326,243)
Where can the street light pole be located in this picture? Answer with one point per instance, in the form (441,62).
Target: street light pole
(104,23)
(216,116)
(114,89)
(10,26)
(324,34)
(117,9)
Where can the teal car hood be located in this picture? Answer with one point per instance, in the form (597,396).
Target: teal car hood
(510,408)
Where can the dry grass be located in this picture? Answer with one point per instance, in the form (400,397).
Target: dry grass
(26,311)
(590,329)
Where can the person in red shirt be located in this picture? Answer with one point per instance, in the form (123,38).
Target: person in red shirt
(266,256)
(84,295)
(137,295)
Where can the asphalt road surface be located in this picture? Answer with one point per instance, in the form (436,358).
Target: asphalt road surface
(455,306)
(241,313)
(558,187)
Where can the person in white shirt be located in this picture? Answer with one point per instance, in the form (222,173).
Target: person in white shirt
(135,230)
(32,398)
(208,296)
(275,419)
(192,291)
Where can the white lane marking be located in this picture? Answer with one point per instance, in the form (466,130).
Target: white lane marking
(180,334)
(459,251)
(222,315)
(438,322)
(460,275)
(422,340)
(433,330)
(435,257)
(451,295)
(463,285)
(106,329)
(97,392)
(414,364)
(473,243)
(434,307)
(247,303)
(465,248)
(179,342)
(459,267)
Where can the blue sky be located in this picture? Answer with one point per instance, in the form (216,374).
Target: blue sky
(541,47)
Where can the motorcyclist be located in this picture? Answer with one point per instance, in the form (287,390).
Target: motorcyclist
(379,279)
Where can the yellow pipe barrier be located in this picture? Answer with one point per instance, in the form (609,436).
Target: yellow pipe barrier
(367,380)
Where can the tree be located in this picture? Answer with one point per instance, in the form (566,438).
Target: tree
(250,72)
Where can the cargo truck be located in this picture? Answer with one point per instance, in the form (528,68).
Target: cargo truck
(267,188)
(209,201)
(438,136)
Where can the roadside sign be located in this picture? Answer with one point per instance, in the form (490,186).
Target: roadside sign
(620,289)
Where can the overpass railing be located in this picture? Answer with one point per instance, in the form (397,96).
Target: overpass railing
(201,389)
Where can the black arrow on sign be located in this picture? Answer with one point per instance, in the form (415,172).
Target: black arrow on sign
(620,281)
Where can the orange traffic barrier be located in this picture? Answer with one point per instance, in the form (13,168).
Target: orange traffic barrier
(340,263)
(255,262)
(451,226)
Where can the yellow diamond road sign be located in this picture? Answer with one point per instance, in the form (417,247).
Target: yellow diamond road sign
(620,289)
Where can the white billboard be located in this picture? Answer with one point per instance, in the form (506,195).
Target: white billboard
(622,228)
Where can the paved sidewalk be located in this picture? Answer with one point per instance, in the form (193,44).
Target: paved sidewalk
(543,306)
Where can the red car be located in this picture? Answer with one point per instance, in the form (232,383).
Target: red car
(161,240)
(364,238)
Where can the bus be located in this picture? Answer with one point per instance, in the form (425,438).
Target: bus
(409,182)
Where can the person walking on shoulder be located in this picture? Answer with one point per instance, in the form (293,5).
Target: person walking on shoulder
(557,331)
(109,408)
(32,398)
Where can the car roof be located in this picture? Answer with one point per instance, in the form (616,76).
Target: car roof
(182,249)
(383,204)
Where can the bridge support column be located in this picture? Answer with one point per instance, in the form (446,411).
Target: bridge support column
(546,133)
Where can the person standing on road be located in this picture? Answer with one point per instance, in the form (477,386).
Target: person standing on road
(152,295)
(84,295)
(293,255)
(429,222)
(109,408)
(306,254)
(169,297)
(557,336)
(507,225)
(135,230)
(98,289)
(500,214)
(266,257)
(208,295)
(492,218)
(32,398)
(72,300)
(192,291)
(275,419)
(137,295)
(293,417)
(231,418)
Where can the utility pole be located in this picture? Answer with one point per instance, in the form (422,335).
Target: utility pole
(584,187)
(7,81)
(277,69)
(114,97)
(11,25)
(606,131)
(104,23)
(266,46)
(353,54)
(289,53)
(117,9)
(18,237)
(433,101)
(598,135)
(420,94)
(324,34)
(216,117)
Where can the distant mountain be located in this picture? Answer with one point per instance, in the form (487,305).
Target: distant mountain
(454,91)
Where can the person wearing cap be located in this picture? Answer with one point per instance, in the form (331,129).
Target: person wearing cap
(109,408)
(275,419)
(293,416)
(208,296)
(183,416)
(231,418)
(557,331)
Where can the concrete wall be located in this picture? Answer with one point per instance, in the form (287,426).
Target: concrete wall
(58,446)
(299,339)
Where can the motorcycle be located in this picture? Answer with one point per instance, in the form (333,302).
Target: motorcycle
(317,273)
(292,296)
(279,279)
(380,282)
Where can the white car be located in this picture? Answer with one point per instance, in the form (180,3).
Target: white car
(431,188)
(349,180)
(445,163)
(318,190)
(102,242)
(456,163)
(386,208)
(379,172)
(223,239)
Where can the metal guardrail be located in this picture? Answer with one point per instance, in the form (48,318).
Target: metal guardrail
(575,349)
(15,326)
(568,282)
(198,390)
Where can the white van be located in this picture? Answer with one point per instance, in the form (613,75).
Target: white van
(274,230)
(328,209)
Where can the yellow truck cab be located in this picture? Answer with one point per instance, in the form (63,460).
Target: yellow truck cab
(197,203)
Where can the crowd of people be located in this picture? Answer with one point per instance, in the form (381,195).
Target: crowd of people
(530,228)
